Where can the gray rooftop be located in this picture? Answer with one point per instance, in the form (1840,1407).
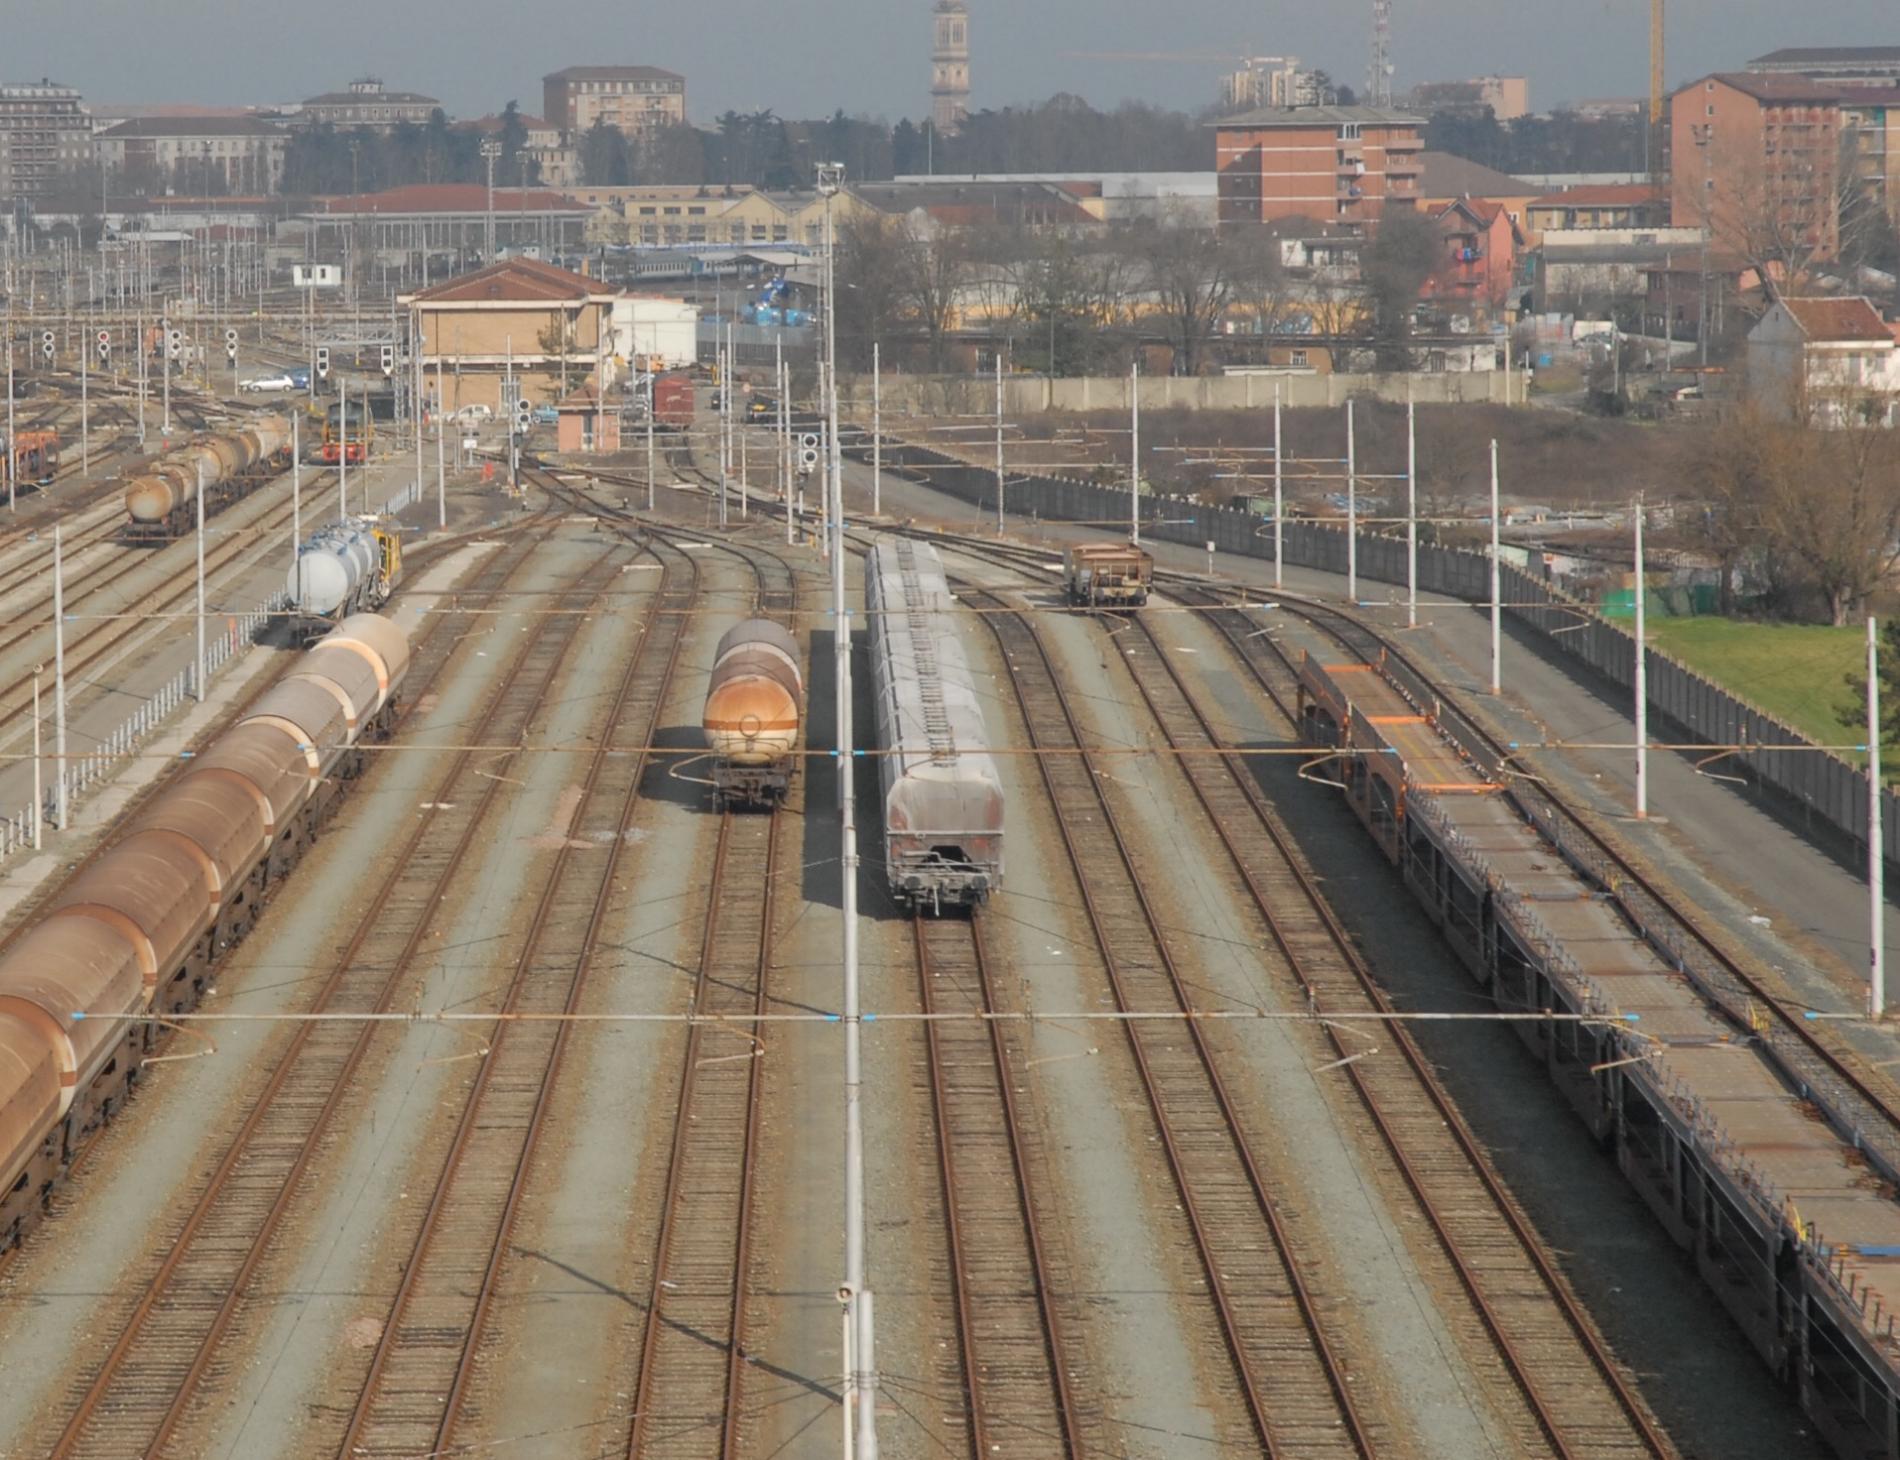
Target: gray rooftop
(1322,116)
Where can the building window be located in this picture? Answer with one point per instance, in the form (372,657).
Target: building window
(1298,358)
(1349,132)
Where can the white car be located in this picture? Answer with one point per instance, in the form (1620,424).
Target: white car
(268,382)
(471,414)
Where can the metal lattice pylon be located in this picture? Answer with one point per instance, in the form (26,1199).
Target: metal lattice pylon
(1379,71)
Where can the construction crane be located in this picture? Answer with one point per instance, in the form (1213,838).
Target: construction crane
(1658,151)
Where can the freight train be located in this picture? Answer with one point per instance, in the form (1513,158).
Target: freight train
(160,501)
(753,707)
(1108,575)
(35,458)
(942,798)
(134,935)
(343,569)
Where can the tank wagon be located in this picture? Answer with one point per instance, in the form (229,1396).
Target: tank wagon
(942,798)
(754,705)
(136,932)
(343,569)
(161,500)
(1108,574)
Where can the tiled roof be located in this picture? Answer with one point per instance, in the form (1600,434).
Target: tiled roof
(1447,175)
(1770,87)
(515,279)
(1838,319)
(455,198)
(1821,55)
(371,98)
(1601,195)
(1321,116)
(613,73)
(193,127)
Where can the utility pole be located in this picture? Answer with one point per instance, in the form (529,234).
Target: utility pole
(198,674)
(877,428)
(1352,509)
(1000,471)
(1279,503)
(1497,584)
(343,449)
(1134,450)
(441,450)
(1876,851)
(1411,510)
(491,151)
(12,506)
(62,793)
(1642,682)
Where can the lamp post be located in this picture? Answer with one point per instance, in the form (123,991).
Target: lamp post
(491,153)
(860,1361)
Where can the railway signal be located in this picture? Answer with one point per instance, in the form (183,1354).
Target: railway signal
(105,345)
(808,453)
(174,343)
(389,361)
(230,345)
(524,416)
(46,343)
(323,362)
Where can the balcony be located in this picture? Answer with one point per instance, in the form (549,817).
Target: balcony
(1403,143)
(1398,165)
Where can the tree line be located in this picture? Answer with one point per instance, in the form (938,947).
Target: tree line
(1080,302)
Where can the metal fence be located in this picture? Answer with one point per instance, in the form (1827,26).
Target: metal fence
(1828,789)
(93,766)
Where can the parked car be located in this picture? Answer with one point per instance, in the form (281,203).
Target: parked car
(472,414)
(545,415)
(279,381)
(300,380)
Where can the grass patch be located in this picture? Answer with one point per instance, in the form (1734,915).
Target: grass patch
(1796,672)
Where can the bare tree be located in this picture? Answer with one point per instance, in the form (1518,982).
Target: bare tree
(1393,268)
(1836,512)
(1187,274)
(932,267)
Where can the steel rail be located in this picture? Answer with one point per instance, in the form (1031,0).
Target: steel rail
(1438,1158)
(1016,1364)
(692,1357)
(419,1377)
(1293,1383)
(142,1364)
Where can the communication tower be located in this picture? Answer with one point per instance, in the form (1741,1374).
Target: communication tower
(1379,72)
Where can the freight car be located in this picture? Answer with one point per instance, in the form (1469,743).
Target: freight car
(754,704)
(673,403)
(133,936)
(942,797)
(35,458)
(1108,574)
(160,501)
(343,569)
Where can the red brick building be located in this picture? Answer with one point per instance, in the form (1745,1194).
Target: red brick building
(1756,160)
(1479,261)
(1336,164)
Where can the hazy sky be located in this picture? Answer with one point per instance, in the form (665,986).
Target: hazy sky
(872,55)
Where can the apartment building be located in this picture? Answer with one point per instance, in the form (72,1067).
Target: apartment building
(1834,65)
(45,131)
(1756,161)
(194,155)
(368,103)
(1332,164)
(634,99)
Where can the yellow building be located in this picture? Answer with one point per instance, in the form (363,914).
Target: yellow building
(551,325)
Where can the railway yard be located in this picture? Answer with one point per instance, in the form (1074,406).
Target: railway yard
(1278,1092)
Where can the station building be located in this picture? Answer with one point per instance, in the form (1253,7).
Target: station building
(552,327)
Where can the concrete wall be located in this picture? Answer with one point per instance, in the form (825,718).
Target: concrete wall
(1031,394)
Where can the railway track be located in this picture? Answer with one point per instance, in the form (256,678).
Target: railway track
(688,1397)
(1290,1378)
(1571,1399)
(420,1374)
(1020,1373)
(84,653)
(147,1384)
(1814,1058)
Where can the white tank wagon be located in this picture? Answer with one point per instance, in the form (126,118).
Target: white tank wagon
(342,569)
(942,797)
(755,703)
(161,500)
